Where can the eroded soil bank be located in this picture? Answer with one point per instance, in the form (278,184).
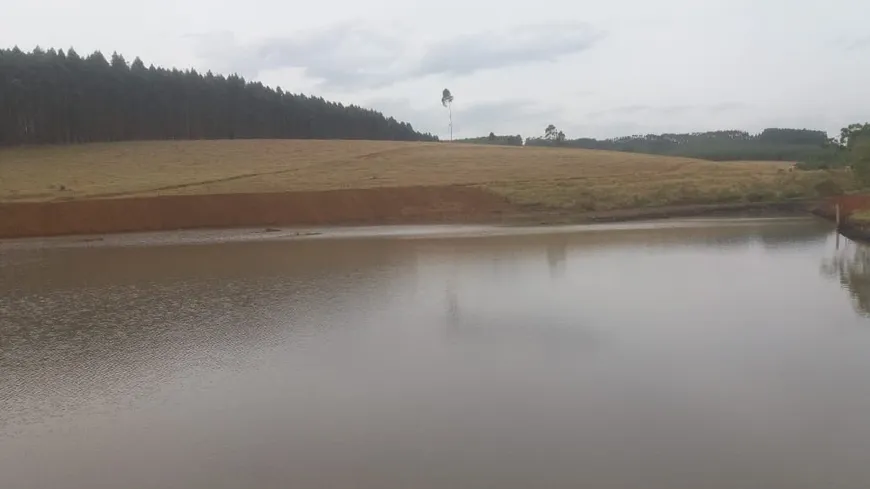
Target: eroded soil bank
(331,207)
(399,205)
(848,204)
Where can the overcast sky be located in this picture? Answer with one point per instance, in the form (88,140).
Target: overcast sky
(595,69)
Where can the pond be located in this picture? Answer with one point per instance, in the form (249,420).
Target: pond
(680,354)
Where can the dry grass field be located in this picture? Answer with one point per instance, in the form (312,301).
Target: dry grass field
(556,178)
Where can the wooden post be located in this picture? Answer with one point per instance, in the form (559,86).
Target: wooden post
(838,215)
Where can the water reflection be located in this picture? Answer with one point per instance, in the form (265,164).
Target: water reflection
(557,253)
(724,235)
(632,356)
(85,327)
(850,264)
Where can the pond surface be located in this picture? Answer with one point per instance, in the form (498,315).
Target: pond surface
(690,354)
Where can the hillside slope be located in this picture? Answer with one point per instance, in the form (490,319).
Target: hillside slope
(525,178)
(241,166)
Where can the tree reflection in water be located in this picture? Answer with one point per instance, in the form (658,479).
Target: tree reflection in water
(851,266)
(557,253)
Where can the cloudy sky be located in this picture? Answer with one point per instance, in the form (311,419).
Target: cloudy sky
(595,69)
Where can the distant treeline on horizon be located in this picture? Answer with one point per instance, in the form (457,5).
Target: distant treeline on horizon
(55,97)
(60,97)
(804,145)
(770,144)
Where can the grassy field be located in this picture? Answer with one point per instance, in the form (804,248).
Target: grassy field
(558,178)
(861,217)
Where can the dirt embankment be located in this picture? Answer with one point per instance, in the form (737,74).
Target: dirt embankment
(168,185)
(403,205)
(397,205)
(849,204)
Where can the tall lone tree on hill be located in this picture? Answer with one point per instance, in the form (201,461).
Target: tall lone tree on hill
(447,101)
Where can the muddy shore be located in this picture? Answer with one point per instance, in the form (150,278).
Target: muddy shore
(400,205)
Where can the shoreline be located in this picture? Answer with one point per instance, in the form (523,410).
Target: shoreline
(731,210)
(848,205)
(388,232)
(855,233)
(270,212)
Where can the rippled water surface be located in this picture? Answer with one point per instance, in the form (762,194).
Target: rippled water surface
(696,354)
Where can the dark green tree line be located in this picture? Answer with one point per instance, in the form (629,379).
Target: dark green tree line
(770,144)
(853,133)
(60,97)
(856,143)
(495,139)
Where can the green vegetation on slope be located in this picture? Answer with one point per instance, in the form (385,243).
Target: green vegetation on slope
(859,155)
(773,144)
(810,149)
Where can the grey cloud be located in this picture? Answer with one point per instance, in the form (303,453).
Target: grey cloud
(533,43)
(341,55)
(627,110)
(348,56)
(505,114)
(724,107)
(858,44)
(673,109)
(621,110)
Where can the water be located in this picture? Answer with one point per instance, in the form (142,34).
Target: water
(723,354)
